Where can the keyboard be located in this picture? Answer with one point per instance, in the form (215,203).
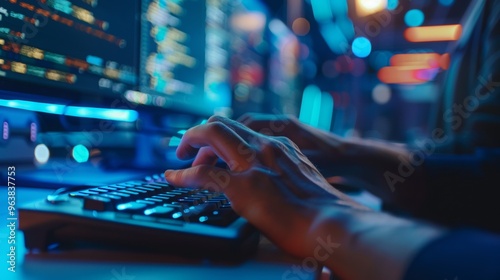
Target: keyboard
(146,214)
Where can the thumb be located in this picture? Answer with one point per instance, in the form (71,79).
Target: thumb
(203,177)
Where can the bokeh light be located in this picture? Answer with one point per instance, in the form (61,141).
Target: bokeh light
(414,18)
(81,154)
(42,154)
(381,94)
(301,26)
(361,47)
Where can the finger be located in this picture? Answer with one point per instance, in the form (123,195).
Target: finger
(224,142)
(205,156)
(201,176)
(267,124)
(245,117)
(239,128)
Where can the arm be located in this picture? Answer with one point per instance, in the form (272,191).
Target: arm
(383,168)
(275,187)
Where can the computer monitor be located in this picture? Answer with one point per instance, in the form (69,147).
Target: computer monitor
(184,55)
(166,54)
(68,50)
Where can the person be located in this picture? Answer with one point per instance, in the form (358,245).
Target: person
(276,169)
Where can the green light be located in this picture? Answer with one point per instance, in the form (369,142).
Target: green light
(81,154)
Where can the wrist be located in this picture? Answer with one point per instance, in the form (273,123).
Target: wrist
(370,245)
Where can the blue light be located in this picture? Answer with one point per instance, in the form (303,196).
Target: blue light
(327,105)
(33,106)
(322,10)
(446,2)
(339,7)
(335,38)
(94,60)
(361,47)
(414,18)
(73,111)
(42,154)
(102,113)
(392,5)
(311,102)
(80,153)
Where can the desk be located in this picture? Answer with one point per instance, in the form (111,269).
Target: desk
(268,263)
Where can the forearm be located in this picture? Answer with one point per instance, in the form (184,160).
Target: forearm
(371,245)
(388,170)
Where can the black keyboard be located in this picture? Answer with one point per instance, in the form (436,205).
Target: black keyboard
(145,214)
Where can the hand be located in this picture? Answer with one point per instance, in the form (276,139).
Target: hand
(363,163)
(277,189)
(269,181)
(320,146)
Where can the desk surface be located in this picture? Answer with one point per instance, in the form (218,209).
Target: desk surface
(268,263)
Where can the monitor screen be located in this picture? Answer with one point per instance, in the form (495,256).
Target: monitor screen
(184,58)
(86,46)
(162,53)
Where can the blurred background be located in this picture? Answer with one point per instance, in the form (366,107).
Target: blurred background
(362,61)
(103,84)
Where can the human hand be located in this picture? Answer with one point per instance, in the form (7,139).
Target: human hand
(320,146)
(269,181)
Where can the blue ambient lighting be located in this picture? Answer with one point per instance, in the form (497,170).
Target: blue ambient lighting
(446,2)
(73,111)
(414,18)
(392,5)
(361,47)
(81,153)
(42,154)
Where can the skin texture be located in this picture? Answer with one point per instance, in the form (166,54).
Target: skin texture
(362,161)
(277,188)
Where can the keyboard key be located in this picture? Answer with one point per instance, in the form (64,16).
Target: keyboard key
(163,198)
(120,194)
(136,189)
(99,190)
(127,185)
(131,206)
(189,201)
(159,211)
(145,202)
(156,177)
(215,202)
(129,192)
(158,184)
(113,197)
(146,189)
(89,192)
(109,188)
(221,218)
(152,187)
(78,194)
(200,197)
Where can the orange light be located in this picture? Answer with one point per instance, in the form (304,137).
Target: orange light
(368,7)
(402,75)
(301,26)
(422,60)
(444,61)
(434,33)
